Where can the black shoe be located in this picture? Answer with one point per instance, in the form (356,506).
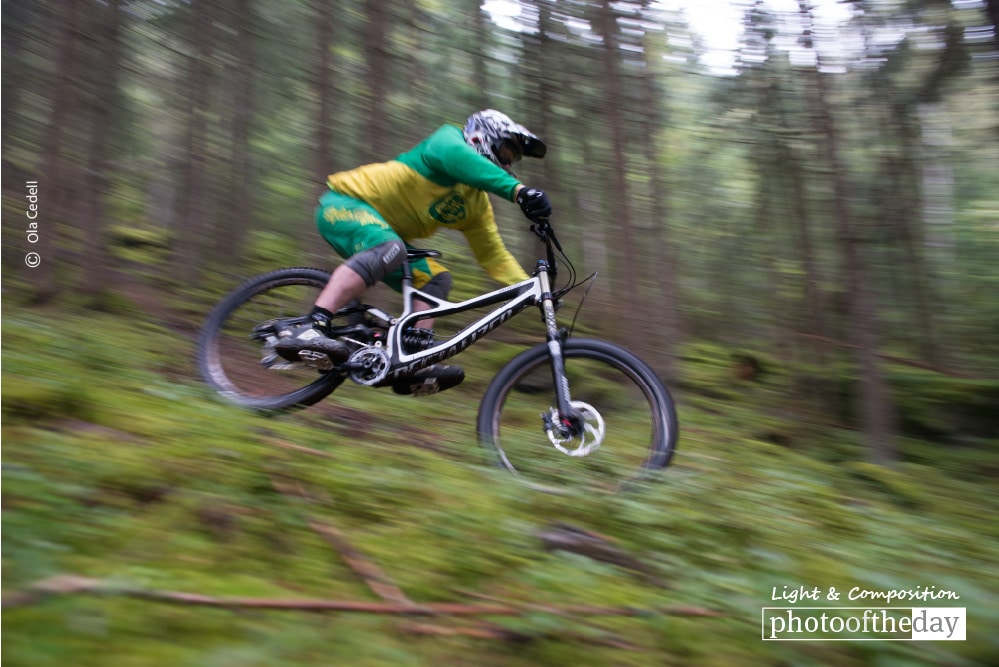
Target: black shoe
(430,380)
(306,343)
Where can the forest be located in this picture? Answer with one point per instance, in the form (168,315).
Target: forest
(798,231)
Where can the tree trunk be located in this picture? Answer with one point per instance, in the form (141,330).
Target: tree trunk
(324,88)
(626,268)
(876,410)
(97,269)
(480,74)
(194,225)
(237,215)
(906,225)
(378,64)
(19,22)
(809,313)
(663,270)
(591,204)
(65,19)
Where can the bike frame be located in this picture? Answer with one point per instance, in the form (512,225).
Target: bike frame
(536,290)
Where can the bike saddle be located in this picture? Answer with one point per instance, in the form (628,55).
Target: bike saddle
(419,253)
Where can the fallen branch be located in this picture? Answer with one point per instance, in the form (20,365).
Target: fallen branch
(73,584)
(299,448)
(377,581)
(370,574)
(561,536)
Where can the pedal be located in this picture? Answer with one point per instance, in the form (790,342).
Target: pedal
(318,360)
(279,364)
(269,330)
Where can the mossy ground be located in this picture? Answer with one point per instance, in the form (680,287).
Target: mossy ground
(119,465)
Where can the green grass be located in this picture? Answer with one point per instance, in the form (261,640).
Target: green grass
(118,465)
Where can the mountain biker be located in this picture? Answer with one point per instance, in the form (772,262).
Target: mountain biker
(371,213)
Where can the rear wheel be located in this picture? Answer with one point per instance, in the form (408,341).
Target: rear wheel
(629,419)
(233,349)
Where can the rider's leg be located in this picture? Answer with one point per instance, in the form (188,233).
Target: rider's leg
(359,272)
(423,324)
(358,233)
(435,281)
(371,248)
(438,286)
(345,284)
(353,277)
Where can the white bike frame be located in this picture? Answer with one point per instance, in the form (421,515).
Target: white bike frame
(536,290)
(514,299)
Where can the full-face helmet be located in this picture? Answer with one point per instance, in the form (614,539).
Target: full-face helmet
(489,130)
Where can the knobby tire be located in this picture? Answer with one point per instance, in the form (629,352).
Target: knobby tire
(229,360)
(640,415)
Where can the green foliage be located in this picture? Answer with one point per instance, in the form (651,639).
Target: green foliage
(117,471)
(959,411)
(269,250)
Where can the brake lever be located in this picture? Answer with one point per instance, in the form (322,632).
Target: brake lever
(543,229)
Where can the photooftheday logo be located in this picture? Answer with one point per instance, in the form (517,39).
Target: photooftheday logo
(859,624)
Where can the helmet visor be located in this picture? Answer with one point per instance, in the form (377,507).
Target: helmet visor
(508,152)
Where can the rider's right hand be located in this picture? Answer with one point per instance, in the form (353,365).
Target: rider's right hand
(534,203)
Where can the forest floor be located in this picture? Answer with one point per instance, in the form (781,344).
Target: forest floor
(147,523)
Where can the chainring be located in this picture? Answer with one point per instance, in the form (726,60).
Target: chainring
(370,365)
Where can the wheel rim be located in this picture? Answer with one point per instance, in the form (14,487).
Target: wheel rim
(232,357)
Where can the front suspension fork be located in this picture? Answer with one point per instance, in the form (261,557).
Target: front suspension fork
(570,421)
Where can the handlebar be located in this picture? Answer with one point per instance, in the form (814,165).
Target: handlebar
(542,228)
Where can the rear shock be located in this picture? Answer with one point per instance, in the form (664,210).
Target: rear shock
(416,339)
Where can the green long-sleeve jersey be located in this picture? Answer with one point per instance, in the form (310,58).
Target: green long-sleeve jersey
(441,181)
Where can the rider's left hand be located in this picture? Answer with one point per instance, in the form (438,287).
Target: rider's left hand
(534,203)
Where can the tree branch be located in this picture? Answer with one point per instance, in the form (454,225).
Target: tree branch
(74,584)
(370,574)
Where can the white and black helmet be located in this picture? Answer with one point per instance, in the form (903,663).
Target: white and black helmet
(487,131)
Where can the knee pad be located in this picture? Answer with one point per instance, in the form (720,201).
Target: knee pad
(375,263)
(439,286)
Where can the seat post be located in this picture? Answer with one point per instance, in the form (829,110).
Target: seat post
(407,270)
(413,254)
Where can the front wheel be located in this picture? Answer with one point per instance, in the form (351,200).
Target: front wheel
(629,423)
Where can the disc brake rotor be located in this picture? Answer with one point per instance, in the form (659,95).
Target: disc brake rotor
(592,436)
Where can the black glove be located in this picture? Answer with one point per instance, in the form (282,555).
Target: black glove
(534,203)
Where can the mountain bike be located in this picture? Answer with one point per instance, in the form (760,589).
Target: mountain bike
(568,409)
